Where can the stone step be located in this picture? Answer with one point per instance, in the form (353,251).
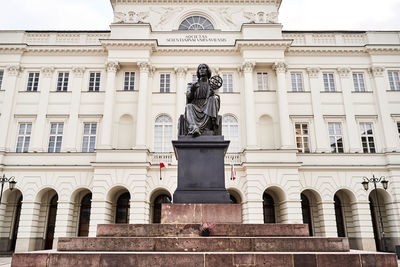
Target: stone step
(193,259)
(202,244)
(192,230)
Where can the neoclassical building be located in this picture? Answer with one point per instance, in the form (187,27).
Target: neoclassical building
(87,117)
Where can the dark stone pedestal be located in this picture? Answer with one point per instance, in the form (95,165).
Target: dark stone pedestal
(201,175)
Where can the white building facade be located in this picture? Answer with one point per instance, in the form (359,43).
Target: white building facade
(87,116)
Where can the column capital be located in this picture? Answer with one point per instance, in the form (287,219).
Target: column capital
(280,67)
(344,72)
(47,71)
(377,71)
(180,71)
(152,69)
(313,72)
(248,66)
(78,71)
(215,71)
(144,66)
(112,66)
(14,70)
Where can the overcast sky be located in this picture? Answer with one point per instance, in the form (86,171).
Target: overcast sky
(294,14)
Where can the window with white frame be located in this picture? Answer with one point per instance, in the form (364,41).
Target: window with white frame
(230,130)
(62,82)
(297,81)
(94,81)
(358,81)
(262,81)
(89,137)
(394,80)
(335,137)
(56,135)
(227,79)
(24,137)
(129,82)
(33,81)
(163,134)
(302,137)
(165,82)
(1,77)
(329,82)
(367,137)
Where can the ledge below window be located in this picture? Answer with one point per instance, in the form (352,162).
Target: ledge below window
(361,92)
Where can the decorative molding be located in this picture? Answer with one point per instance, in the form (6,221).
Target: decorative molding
(90,116)
(12,48)
(112,66)
(280,67)
(14,70)
(313,72)
(377,71)
(325,50)
(180,71)
(47,71)
(152,70)
(144,66)
(344,72)
(131,17)
(78,71)
(57,116)
(69,50)
(276,3)
(248,66)
(24,116)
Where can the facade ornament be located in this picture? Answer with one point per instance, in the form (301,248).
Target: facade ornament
(144,66)
(165,14)
(377,71)
(131,17)
(14,70)
(260,17)
(313,72)
(280,67)
(248,66)
(180,71)
(112,66)
(152,70)
(344,72)
(215,71)
(78,71)
(47,71)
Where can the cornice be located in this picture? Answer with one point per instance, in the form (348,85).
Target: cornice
(70,50)
(197,49)
(262,44)
(12,48)
(321,50)
(124,43)
(383,49)
(271,2)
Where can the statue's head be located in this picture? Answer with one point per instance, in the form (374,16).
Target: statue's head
(203,70)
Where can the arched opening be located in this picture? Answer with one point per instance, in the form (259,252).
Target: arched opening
(84,215)
(196,23)
(306,211)
(159,200)
(122,209)
(51,222)
(341,230)
(268,208)
(234,196)
(16,224)
(266,132)
(126,133)
(9,219)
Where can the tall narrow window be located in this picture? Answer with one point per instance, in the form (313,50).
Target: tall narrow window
(24,137)
(329,82)
(33,81)
(335,137)
(358,80)
(268,208)
(84,217)
(394,80)
(129,83)
(123,206)
(165,81)
(367,137)
(163,134)
(89,137)
(302,137)
(94,81)
(297,82)
(262,81)
(398,128)
(230,129)
(62,82)
(1,77)
(55,140)
(227,83)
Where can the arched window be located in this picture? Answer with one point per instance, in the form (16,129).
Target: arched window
(230,129)
(163,134)
(84,216)
(196,23)
(157,206)
(268,208)
(123,208)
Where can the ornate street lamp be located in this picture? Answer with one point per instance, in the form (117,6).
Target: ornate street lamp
(384,183)
(11,183)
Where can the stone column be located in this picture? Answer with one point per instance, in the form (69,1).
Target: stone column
(100,213)
(141,107)
(251,131)
(9,85)
(180,91)
(73,123)
(253,206)
(64,215)
(290,211)
(351,123)
(328,218)
(139,208)
(28,223)
(44,88)
(390,132)
(321,133)
(362,223)
(287,138)
(109,99)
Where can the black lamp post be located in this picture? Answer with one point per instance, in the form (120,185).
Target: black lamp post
(384,183)
(11,183)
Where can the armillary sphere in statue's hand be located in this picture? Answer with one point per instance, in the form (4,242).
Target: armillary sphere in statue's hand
(216,82)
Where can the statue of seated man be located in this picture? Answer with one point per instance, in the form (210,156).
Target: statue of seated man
(202,105)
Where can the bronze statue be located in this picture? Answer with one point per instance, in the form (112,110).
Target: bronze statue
(202,105)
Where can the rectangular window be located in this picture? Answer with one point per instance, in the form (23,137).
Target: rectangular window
(297,82)
(165,83)
(24,137)
(394,80)
(367,137)
(94,81)
(335,137)
(89,137)
(55,140)
(33,81)
(329,82)
(358,80)
(302,137)
(227,83)
(262,81)
(129,83)
(1,77)
(62,82)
